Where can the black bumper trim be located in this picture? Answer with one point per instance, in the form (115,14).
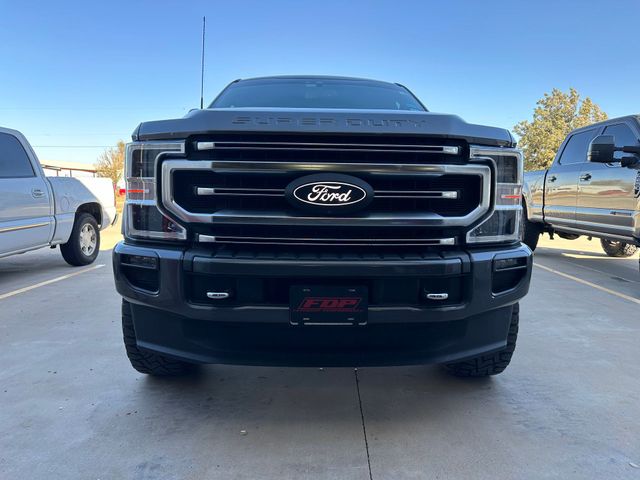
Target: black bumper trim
(166,322)
(174,263)
(282,345)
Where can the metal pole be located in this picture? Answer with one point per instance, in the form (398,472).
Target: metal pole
(204,21)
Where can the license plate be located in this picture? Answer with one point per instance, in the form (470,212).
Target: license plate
(324,305)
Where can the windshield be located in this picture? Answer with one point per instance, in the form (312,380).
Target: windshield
(317,93)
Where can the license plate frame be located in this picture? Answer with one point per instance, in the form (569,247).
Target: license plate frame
(325,305)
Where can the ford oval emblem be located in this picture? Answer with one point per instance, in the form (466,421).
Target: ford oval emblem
(329,193)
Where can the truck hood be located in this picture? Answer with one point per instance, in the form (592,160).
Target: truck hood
(333,121)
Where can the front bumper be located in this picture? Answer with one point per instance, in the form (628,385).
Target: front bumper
(109,216)
(170,318)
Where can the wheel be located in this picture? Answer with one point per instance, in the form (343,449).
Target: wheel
(147,362)
(84,243)
(491,364)
(530,231)
(614,248)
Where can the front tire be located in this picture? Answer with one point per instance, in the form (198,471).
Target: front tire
(148,362)
(530,231)
(614,248)
(83,245)
(493,363)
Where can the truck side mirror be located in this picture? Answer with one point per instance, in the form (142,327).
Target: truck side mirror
(631,161)
(601,149)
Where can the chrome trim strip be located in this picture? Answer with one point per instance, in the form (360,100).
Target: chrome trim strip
(354,147)
(225,191)
(437,296)
(324,244)
(23,227)
(326,324)
(283,167)
(205,238)
(444,194)
(325,241)
(383,219)
(267,218)
(278,192)
(205,145)
(217,295)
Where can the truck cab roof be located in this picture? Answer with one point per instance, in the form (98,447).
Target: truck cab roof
(314,78)
(633,118)
(317,91)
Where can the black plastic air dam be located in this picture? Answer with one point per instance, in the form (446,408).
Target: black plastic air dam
(250,343)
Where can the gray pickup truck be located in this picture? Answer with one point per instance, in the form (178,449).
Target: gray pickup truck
(592,188)
(38,211)
(321,221)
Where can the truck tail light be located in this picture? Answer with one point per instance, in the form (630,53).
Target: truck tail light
(504,223)
(142,218)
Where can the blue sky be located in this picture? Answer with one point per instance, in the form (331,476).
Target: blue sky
(78,76)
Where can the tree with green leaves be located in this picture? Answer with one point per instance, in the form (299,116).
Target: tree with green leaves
(555,115)
(110,163)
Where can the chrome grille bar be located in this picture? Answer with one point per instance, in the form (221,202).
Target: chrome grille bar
(353,147)
(262,192)
(278,192)
(283,167)
(447,194)
(326,241)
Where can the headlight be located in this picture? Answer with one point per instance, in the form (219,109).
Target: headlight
(142,219)
(504,224)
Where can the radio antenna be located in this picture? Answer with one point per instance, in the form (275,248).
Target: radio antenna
(204,23)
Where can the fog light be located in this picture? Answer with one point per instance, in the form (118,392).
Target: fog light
(140,261)
(509,263)
(508,273)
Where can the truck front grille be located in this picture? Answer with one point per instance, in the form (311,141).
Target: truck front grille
(233,192)
(210,191)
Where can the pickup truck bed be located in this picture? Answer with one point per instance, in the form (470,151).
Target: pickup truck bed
(39,211)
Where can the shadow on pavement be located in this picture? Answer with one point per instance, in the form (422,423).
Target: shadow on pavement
(309,395)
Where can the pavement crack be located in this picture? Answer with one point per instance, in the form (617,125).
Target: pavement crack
(364,427)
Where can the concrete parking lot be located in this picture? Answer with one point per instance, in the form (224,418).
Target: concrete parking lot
(71,407)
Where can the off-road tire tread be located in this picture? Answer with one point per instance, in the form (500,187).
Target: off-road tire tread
(491,364)
(147,362)
(617,249)
(71,250)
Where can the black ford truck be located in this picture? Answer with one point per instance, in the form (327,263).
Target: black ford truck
(321,221)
